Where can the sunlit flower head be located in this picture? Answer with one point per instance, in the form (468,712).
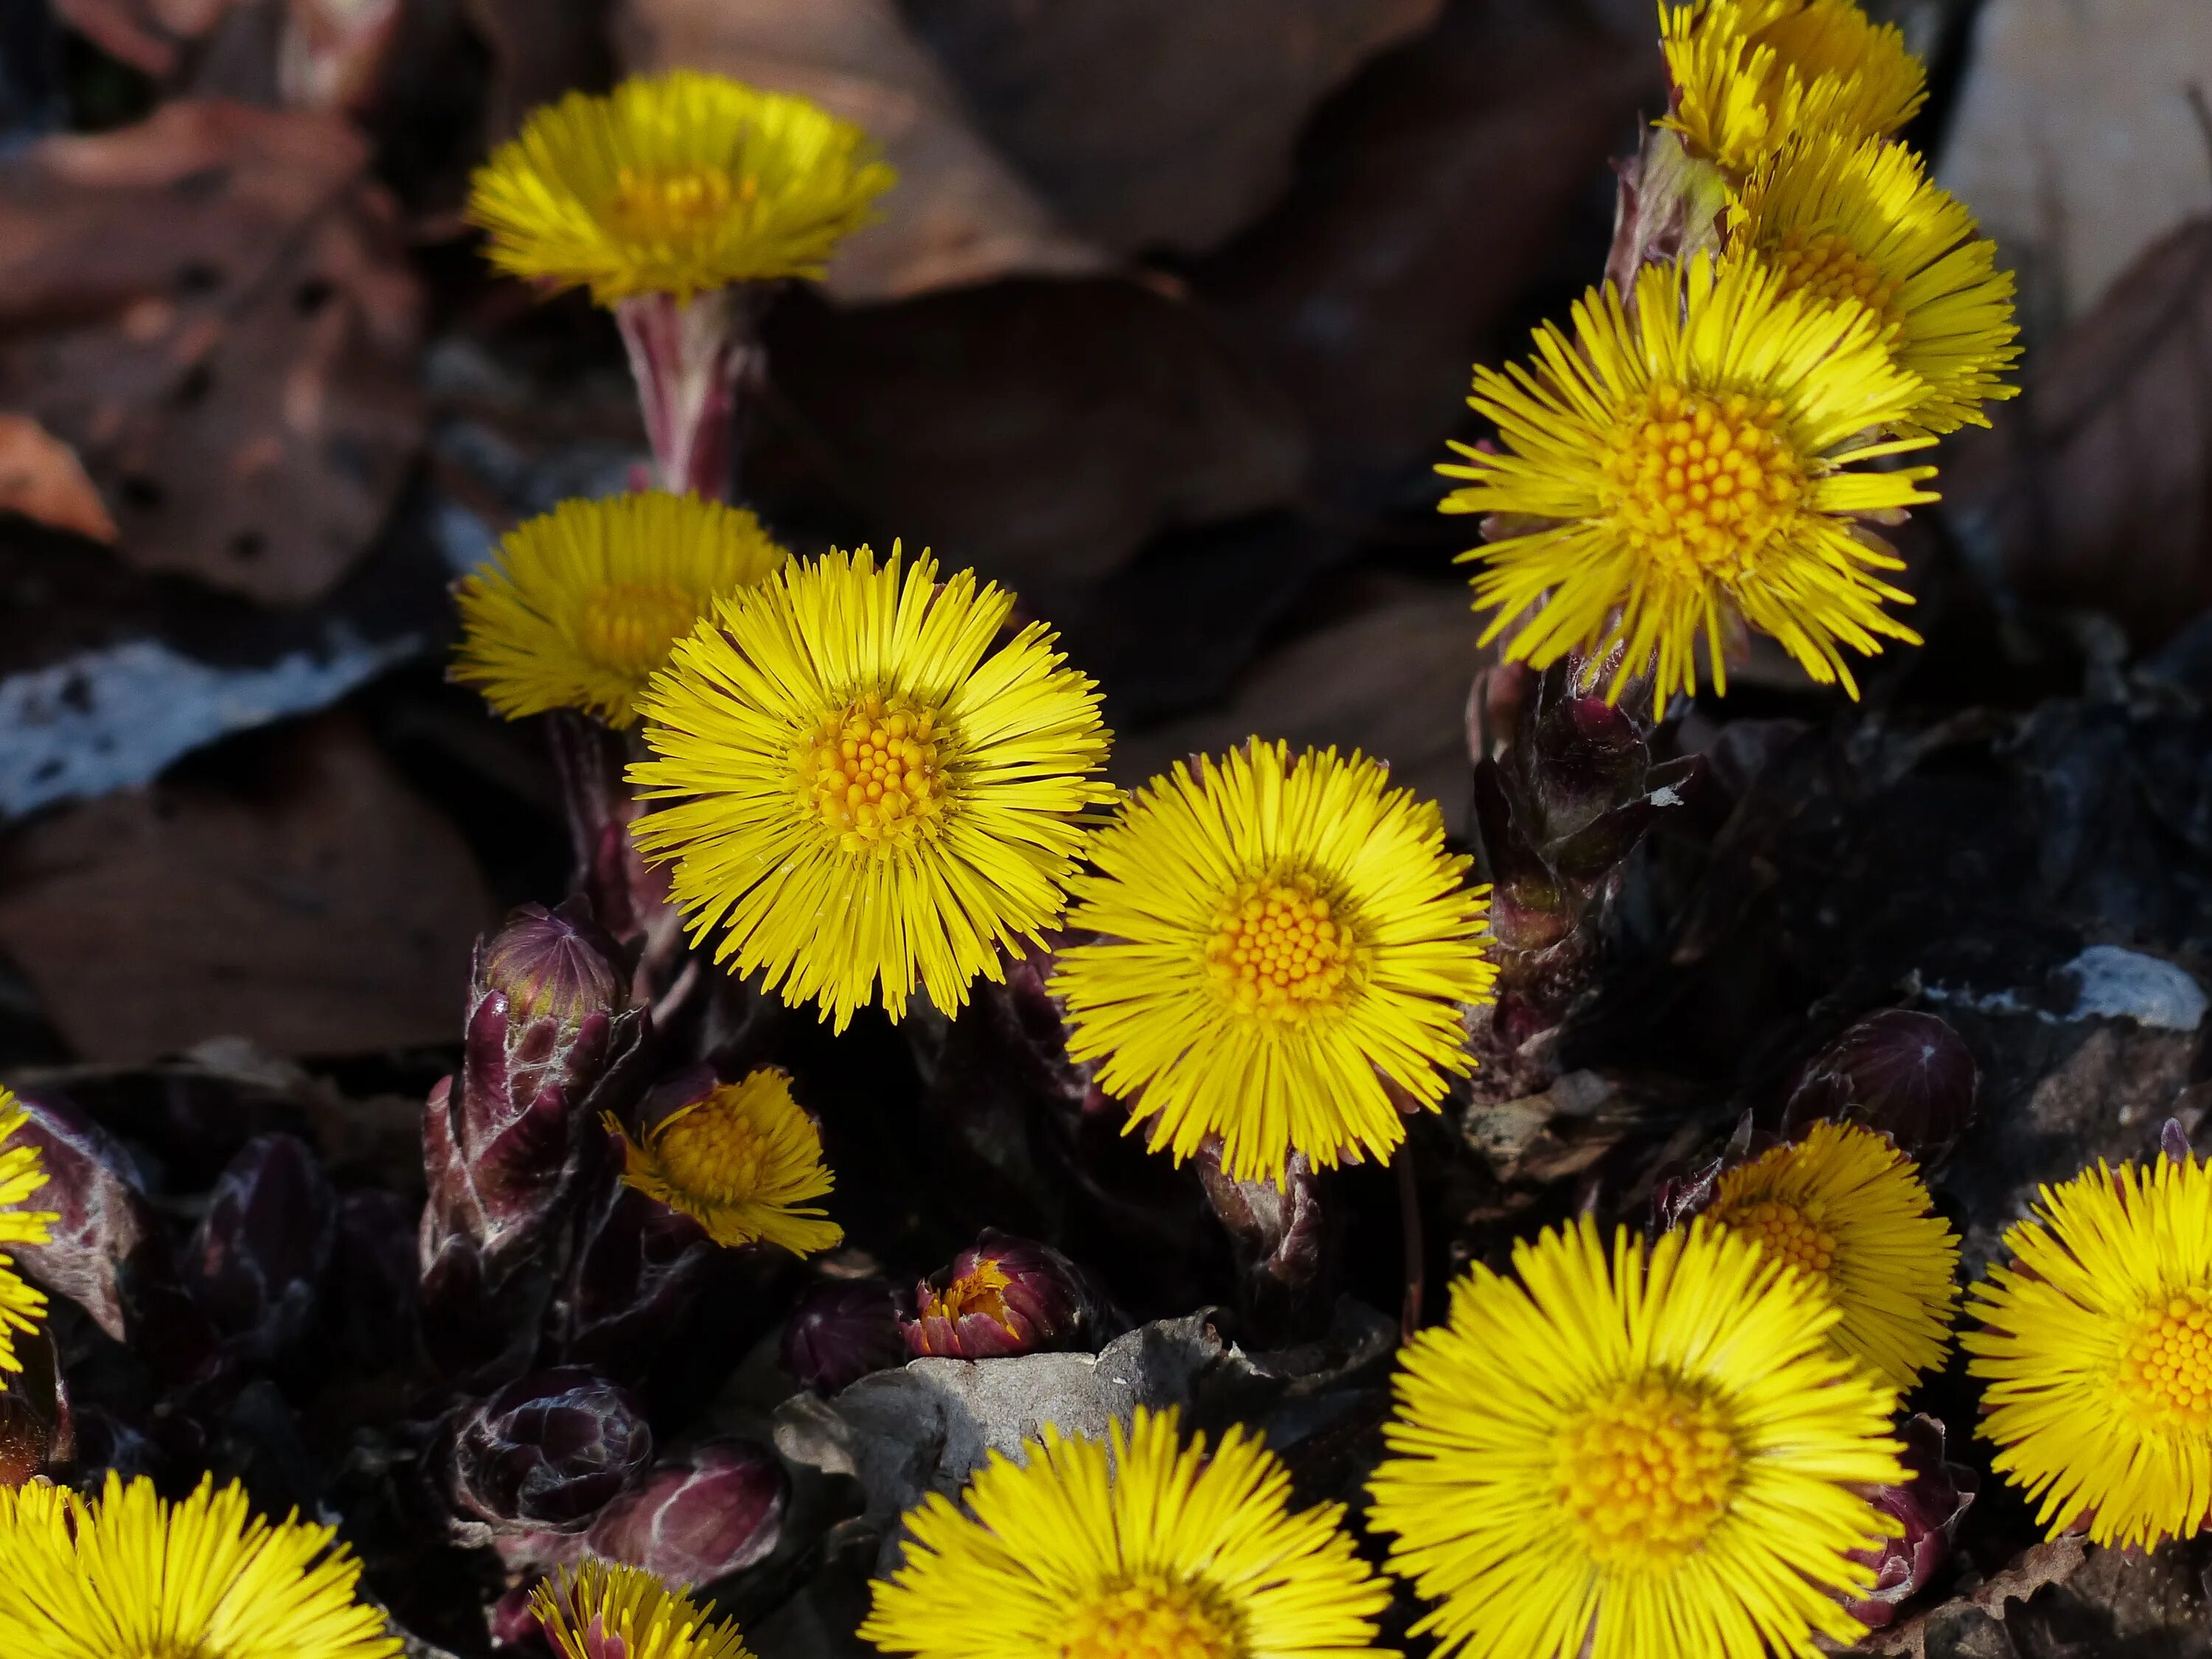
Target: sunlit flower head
(1857,223)
(1846,1208)
(1634,1455)
(1150,1547)
(21,1304)
(869,798)
(1280,935)
(601,1612)
(2095,1353)
(129,1576)
(742,1161)
(1751,75)
(582,604)
(675,184)
(1663,475)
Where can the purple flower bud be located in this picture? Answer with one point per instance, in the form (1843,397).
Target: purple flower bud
(1277,1234)
(258,1258)
(545,1454)
(1930,1503)
(1903,1073)
(691,1523)
(640,1266)
(373,1279)
(842,1329)
(1005,1296)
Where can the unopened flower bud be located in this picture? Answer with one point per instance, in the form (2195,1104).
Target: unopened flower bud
(1005,1296)
(842,1329)
(545,1454)
(690,1522)
(1930,1504)
(1278,1233)
(373,1279)
(1906,1075)
(258,1259)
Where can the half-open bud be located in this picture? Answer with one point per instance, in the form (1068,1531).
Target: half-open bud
(1930,1504)
(1005,1295)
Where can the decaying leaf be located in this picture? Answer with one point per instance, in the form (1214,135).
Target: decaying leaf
(41,478)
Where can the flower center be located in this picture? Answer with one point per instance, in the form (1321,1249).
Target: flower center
(1829,268)
(629,626)
(653,205)
(873,771)
(1280,948)
(1785,1232)
(1699,483)
(1645,1473)
(2166,1368)
(712,1148)
(1150,1615)
(983,1291)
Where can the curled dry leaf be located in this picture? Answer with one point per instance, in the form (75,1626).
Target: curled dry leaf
(41,478)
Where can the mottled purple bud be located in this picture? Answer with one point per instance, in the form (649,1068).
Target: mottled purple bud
(842,1329)
(1277,1233)
(545,1454)
(1005,1296)
(258,1259)
(1930,1503)
(373,1279)
(690,1522)
(2173,1141)
(1584,756)
(36,1428)
(1906,1075)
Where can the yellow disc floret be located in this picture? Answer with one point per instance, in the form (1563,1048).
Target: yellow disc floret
(1644,1471)
(1281,948)
(741,1160)
(980,1291)
(2166,1365)
(875,772)
(1151,1616)
(1702,484)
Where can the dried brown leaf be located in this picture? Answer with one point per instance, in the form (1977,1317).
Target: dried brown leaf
(2052,1562)
(41,478)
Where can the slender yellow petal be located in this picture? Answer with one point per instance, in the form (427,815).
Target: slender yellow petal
(741,1161)
(587,1611)
(21,1304)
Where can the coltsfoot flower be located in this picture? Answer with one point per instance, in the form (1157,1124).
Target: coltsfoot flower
(583,602)
(1845,1208)
(675,184)
(2096,1353)
(1149,1546)
(866,800)
(129,1576)
(1646,1456)
(1857,223)
(21,1304)
(600,1612)
(1280,936)
(1751,75)
(741,1160)
(1663,475)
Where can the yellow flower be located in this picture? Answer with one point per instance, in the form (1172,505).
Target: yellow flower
(584,602)
(1663,475)
(1281,936)
(1857,223)
(742,1161)
(580,1610)
(2097,1353)
(1648,1458)
(866,796)
(1150,1547)
(21,1304)
(142,1578)
(1751,75)
(1847,1209)
(675,184)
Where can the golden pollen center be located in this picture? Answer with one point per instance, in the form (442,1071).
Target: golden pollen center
(712,1149)
(653,204)
(1151,1616)
(874,773)
(628,627)
(1785,1232)
(1698,484)
(1828,268)
(1644,1472)
(983,1291)
(2167,1366)
(1281,948)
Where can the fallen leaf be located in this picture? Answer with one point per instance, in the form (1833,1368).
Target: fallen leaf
(959,214)
(212,306)
(328,910)
(41,478)
(149,35)
(2053,1562)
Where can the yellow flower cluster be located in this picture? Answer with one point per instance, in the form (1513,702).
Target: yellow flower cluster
(1695,456)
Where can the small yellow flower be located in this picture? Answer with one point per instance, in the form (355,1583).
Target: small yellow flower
(1648,1457)
(129,1575)
(1847,1209)
(675,184)
(1148,1547)
(1281,936)
(598,1610)
(866,799)
(584,602)
(1857,223)
(1663,475)
(741,1160)
(2096,1351)
(21,1304)
(1749,76)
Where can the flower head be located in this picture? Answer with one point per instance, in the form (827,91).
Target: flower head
(675,184)
(600,1612)
(2096,1353)
(1666,474)
(1281,936)
(1855,223)
(1633,1456)
(1848,1210)
(1751,75)
(129,1576)
(21,1304)
(741,1160)
(867,799)
(1003,1296)
(1147,1546)
(584,602)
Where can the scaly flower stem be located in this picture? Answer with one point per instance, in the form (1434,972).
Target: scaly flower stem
(690,360)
